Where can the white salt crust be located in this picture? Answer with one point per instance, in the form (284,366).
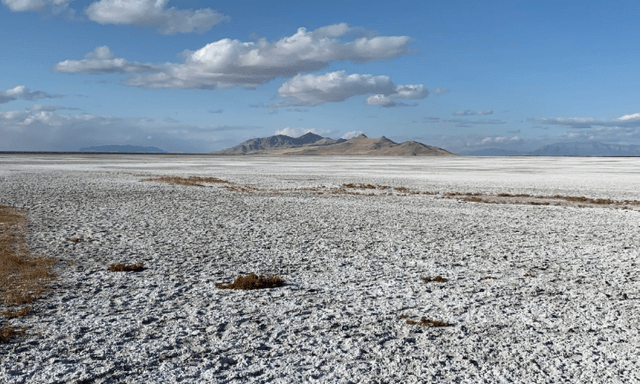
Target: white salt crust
(352,264)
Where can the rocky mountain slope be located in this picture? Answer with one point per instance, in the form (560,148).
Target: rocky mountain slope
(311,144)
(271,143)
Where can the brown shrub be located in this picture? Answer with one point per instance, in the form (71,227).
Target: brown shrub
(529,275)
(403,316)
(437,279)
(126,267)
(488,278)
(253,281)
(424,322)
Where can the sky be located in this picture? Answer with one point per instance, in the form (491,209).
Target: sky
(200,76)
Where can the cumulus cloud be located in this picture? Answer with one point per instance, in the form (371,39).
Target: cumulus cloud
(22,92)
(47,130)
(473,113)
(440,91)
(351,134)
(228,63)
(154,13)
(100,61)
(42,6)
(296,132)
(630,120)
(51,108)
(312,90)
(469,123)
(499,139)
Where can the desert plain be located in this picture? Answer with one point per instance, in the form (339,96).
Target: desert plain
(537,259)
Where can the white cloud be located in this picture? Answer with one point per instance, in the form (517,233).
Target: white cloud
(43,129)
(22,92)
(296,132)
(440,91)
(153,13)
(228,63)
(499,139)
(100,61)
(42,6)
(312,90)
(469,123)
(473,113)
(351,134)
(630,120)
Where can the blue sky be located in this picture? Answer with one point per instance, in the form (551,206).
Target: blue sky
(196,76)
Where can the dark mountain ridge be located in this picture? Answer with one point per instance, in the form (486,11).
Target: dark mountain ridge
(271,143)
(122,149)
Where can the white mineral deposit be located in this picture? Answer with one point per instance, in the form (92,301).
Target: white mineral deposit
(534,293)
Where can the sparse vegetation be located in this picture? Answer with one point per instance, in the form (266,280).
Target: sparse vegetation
(127,267)
(506,198)
(8,333)
(356,189)
(488,278)
(529,275)
(424,322)
(194,181)
(437,279)
(18,312)
(253,281)
(24,278)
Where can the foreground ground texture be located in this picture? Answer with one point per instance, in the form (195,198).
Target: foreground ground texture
(562,303)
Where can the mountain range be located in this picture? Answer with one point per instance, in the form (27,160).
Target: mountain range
(312,144)
(591,148)
(121,149)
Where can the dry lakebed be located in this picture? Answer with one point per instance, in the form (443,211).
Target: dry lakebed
(396,270)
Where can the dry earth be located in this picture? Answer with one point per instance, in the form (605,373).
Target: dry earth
(526,293)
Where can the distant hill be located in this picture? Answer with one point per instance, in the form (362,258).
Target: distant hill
(587,149)
(492,152)
(122,149)
(311,144)
(272,143)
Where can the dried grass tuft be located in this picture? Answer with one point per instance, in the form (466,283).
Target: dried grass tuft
(193,181)
(488,278)
(24,277)
(17,313)
(437,279)
(424,322)
(253,281)
(8,333)
(127,267)
(529,275)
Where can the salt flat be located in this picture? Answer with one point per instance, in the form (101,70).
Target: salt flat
(353,266)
